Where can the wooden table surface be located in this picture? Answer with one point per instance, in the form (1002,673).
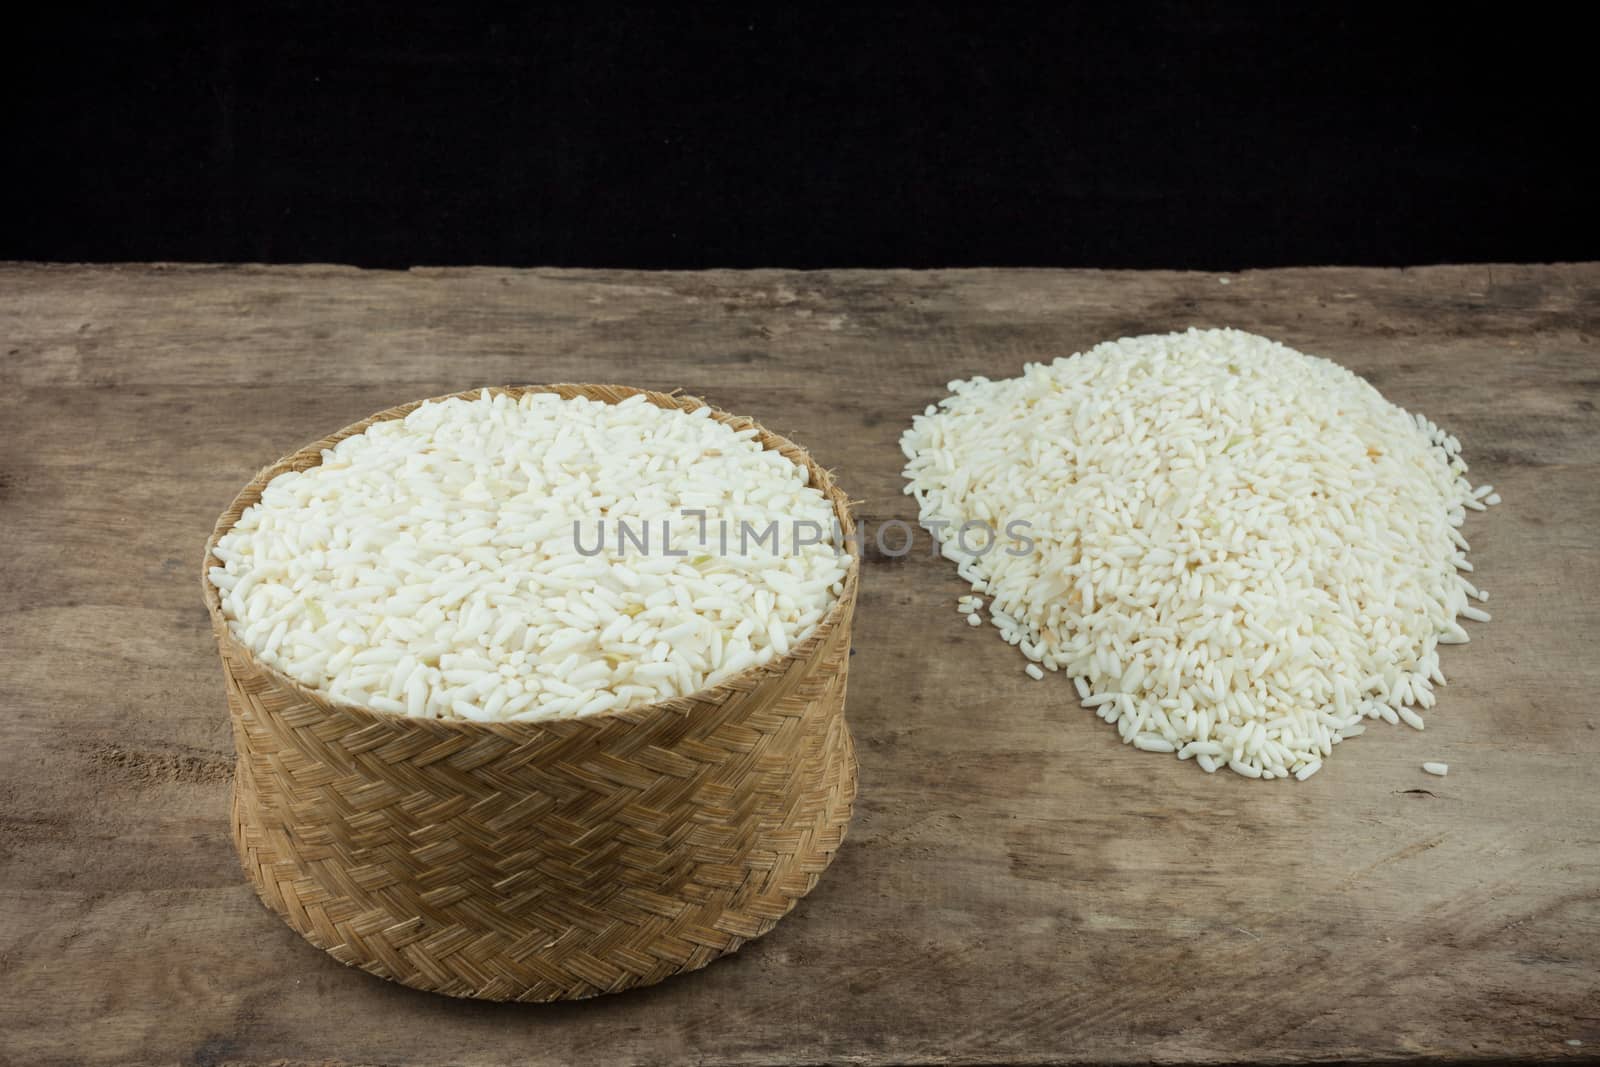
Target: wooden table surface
(1017,887)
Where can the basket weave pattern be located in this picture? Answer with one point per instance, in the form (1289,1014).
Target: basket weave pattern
(543,861)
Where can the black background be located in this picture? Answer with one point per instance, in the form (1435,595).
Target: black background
(1152,136)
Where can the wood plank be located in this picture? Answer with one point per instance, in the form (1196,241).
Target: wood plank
(1017,886)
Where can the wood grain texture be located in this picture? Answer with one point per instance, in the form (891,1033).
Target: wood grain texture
(1017,887)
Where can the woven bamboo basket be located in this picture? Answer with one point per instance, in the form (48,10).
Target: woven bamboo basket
(543,861)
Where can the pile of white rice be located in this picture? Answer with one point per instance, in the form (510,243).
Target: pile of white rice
(430,566)
(1239,552)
